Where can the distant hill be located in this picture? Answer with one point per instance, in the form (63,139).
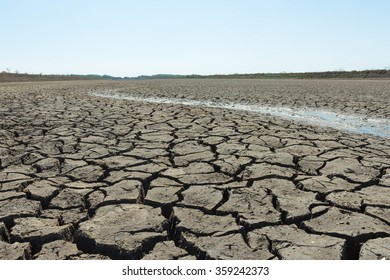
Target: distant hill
(365,74)
(6,77)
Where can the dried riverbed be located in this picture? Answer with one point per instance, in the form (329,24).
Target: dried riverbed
(90,177)
(312,116)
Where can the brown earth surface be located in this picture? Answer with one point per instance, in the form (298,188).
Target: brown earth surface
(86,177)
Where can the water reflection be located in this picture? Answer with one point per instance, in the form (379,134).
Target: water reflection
(351,123)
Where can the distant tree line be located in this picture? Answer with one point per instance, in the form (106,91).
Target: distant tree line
(365,74)
(7,76)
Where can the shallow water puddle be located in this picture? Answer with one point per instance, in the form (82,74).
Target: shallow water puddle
(351,123)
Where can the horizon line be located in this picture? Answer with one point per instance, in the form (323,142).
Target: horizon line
(16,72)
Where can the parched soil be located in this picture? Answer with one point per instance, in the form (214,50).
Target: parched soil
(86,177)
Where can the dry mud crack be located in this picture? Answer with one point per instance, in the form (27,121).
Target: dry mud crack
(87,177)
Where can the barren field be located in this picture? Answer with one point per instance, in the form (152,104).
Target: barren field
(84,176)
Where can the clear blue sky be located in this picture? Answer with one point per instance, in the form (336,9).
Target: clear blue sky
(130,38)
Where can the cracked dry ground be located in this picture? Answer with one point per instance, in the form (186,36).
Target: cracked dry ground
(84,177)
